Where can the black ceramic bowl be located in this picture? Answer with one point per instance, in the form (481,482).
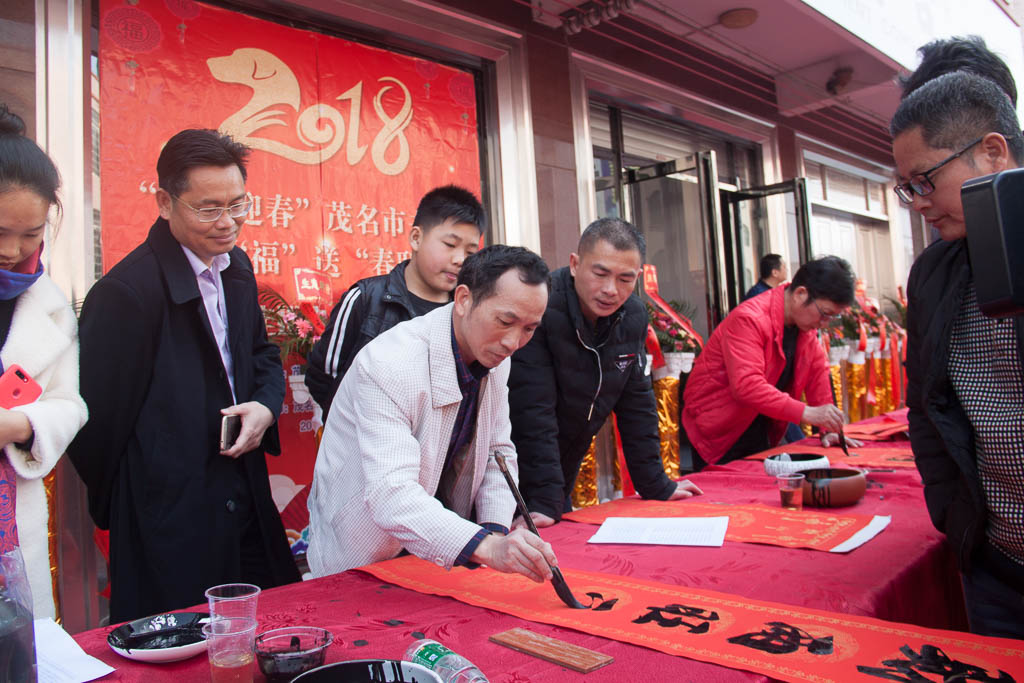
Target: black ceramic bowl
(370,671)
(284,653)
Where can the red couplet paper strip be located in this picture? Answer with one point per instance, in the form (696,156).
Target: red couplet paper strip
(747,523)
(780,641)
(875,456)
(882,433)
(876,431)
(901,415)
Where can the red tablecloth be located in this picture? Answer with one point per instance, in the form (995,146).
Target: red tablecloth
(905,574)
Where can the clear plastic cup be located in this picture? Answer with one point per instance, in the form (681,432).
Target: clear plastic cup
(233,600)
(230,645)
(791,490)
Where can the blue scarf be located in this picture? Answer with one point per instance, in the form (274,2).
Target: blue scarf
(13,283)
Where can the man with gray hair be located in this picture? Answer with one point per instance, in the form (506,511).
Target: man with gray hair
(585,361)
(965,385)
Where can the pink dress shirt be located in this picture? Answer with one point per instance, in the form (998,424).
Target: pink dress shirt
(212,290)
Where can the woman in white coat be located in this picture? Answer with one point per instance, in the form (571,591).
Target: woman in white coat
(39,333)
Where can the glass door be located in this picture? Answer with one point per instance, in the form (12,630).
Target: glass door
(744,227)
(676,205)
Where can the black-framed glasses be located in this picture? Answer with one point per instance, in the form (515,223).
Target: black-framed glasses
(209,214)
(922,184)
(826,317)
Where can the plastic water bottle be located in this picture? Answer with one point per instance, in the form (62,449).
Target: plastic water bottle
(17,638)
(450,667)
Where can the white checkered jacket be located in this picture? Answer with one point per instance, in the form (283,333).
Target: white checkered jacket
(384,446)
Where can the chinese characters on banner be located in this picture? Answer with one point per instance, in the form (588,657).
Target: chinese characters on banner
(781,641)
(346,138)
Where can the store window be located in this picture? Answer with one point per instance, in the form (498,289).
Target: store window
(667,183)
(853,216)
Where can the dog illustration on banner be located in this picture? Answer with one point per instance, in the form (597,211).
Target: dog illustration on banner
(274,84)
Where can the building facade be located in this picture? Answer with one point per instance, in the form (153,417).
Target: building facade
(722,132)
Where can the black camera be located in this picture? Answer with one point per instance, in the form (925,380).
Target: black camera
(994,216)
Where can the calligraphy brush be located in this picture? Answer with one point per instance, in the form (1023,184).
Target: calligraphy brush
(557,580)
(842,442)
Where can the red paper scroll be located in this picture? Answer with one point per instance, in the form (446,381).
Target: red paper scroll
(783,642)
(346,137)
(892,455)
(747,523)
(876,431)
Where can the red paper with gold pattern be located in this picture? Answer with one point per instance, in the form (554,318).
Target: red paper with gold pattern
(346,137)
(874,456)
(747,523)
(784,642)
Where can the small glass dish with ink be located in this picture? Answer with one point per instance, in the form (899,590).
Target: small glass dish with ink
(284,653)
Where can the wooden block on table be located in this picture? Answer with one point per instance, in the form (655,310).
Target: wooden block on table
(552,650)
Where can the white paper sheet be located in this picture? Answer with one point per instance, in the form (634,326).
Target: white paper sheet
(873,528)
(60,659)
(703,531)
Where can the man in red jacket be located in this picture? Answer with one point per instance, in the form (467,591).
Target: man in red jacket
(748,383)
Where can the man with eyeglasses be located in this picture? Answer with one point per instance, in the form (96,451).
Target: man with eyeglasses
(750,381)
(172,342)
(965,384)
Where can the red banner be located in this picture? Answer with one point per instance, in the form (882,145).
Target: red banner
(346,138)
(781,641)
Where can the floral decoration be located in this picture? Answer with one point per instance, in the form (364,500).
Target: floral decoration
(293,328)
(672,338)
(864,318)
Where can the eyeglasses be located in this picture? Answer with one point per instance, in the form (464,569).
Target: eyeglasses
(209,214)
(826,317)
(921,184)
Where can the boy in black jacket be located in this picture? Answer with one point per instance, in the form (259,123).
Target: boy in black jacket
(448,225)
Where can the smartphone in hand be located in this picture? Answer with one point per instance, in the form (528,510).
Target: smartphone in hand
(230,427)
(17,388)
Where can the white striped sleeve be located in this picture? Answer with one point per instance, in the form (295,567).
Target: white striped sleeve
(333,354)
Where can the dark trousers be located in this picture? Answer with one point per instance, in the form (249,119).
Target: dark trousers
(253,557)
(993,607)
(753,440)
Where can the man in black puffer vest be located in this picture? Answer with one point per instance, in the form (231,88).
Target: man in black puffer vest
(586,361)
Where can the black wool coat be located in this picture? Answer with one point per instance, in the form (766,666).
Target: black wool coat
(154,382)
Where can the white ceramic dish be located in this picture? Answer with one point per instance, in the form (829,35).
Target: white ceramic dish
(786,463)
(185,638)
